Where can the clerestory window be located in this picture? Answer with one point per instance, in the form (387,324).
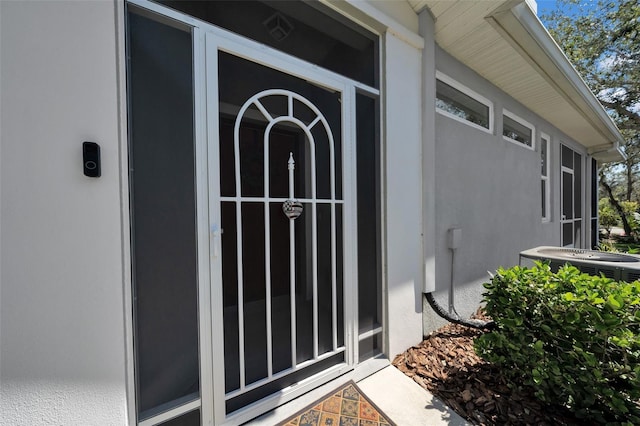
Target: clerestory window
(517,130)
(457,101)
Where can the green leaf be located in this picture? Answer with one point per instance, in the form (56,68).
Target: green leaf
(613,303)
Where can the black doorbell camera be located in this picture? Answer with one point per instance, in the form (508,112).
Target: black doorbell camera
(91,159)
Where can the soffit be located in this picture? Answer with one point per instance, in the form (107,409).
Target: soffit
(489,38)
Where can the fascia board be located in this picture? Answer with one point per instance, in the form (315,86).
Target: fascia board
(607,153)
(525,31)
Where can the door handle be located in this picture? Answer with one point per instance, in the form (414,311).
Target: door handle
(216,233)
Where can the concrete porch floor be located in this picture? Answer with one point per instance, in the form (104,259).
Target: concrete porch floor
(399,397)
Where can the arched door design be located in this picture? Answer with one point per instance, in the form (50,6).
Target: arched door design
(282,212)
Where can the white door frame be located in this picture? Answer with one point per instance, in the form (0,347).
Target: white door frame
(573,220)
(563,218)
(217,40)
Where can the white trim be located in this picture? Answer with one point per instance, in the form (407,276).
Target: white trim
(593,173)
(350,223)
(215,224)
(547,178)
(520,120)
(369,333)
(285,395)
(375,21)
(534,29)
(171,414)
(203,238)
(296,366)
(246,199)
(470,93)
(125,209)
(573,220)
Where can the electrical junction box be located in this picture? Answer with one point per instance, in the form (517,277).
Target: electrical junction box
(454,238)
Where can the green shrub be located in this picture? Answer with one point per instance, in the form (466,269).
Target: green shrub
(572,337)
(608,217)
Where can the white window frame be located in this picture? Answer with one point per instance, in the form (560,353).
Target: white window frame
(472,94)
(546,179)
(520,120)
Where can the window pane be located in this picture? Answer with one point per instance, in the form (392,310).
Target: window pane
(544,199)
(163,218)
(370,347)
(516,131)
(254,305)
(461,105)
(567,195)
(567,157)
(230,296)
(304,285)
(368,160)
(325,279)
(293,26)
(577,187)
(543,156)
(567,234)
(280,288)
(594,188)
(192,418)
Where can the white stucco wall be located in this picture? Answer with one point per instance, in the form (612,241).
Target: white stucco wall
(403,150)
(62,334)
(429,200)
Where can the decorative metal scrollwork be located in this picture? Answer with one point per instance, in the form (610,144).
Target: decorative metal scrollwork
(292,208)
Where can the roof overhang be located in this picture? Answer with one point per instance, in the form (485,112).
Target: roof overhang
(505,42)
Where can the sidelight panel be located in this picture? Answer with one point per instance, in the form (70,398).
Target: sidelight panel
(163,215)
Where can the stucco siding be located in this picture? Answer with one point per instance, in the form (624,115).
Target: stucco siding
(488,187)
(403,194)
(62,333)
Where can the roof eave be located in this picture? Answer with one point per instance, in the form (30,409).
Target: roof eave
(527,34)
(607,153)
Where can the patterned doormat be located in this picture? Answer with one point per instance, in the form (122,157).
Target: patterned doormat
(345,406)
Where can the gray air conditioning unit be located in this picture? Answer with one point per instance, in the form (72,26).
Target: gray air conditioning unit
(620,267)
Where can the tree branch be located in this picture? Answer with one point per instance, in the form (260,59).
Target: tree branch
(616,205)
(632,116)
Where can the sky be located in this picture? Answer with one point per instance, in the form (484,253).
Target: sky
(547,6)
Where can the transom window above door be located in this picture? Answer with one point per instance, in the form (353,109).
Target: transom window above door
(292,27)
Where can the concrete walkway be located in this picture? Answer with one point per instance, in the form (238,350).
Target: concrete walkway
(405,402)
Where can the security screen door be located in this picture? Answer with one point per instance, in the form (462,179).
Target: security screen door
(279,220)
(571,190)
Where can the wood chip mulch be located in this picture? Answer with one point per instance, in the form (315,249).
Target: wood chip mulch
(447,366)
